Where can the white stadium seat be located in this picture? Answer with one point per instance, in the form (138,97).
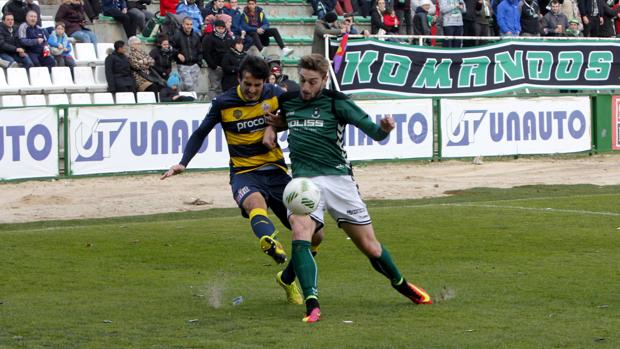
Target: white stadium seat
(189,93)
(146,97)
(57,98)
(125,98)
(40,80)
(35,100)
(84,76)
(100,78)
(12,101)
(61,78)
(80,98)
(85,53)
(47,24)
(4,86)
(17,78)
(103,98)
(102,49)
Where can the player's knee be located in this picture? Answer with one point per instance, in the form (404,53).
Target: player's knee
(371,248)
(302,226)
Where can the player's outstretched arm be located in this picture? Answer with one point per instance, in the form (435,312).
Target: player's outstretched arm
(174,170)
(387,124)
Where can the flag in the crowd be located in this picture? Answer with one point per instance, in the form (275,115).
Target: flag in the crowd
(340,53)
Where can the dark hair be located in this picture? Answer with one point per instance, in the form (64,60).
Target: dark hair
(118,44)
(8,14)
(161,37)
(254,1)
(256,66)
(314,62)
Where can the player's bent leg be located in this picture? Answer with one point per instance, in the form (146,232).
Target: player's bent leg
(256,207)
(364,238)
(304,264)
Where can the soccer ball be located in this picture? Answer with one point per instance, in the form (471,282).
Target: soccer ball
(301,196)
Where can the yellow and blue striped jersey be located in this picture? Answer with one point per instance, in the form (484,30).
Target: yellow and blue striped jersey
(244,125)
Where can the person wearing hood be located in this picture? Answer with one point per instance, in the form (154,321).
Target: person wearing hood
(190,9)
(509,18)
(231,63)
(421,20)
(20,8)
(327,25)
(163,54)
(214,46)
(283,80)
(255,24)
(170,93)
(530,18)
(71,14)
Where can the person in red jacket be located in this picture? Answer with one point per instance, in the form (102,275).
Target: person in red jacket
(168,6)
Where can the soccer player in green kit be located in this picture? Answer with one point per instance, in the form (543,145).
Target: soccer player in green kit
(316,119)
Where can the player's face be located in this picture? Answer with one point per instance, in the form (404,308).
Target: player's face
(251,87)
(311,83)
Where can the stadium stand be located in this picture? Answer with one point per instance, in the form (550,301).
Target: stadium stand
(57,99)
(61,78)
(12,101)
(80,98)
(103,98)
(85,54)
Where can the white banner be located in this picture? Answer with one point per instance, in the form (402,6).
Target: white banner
(139,138)
(511,126)
(412,137)
(28,143)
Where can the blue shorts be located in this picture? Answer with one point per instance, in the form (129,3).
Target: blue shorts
(270,183)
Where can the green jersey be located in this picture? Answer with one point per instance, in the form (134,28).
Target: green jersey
(316,131)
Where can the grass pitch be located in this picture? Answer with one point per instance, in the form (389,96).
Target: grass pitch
(530,267)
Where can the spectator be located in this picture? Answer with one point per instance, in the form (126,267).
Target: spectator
(421,22)
(256,25)
(236,17)
(187,41)
(469,21)
(554,22)
(92,8)
(117,9)
(391,21)
(164,55)
(60,47)
(482,24)
(573,28)
(20,9)
(168,6)
(230,64)
(343,6)
(139,13)
(214,47)
(570,9)
(11,49)
(509,18)
(452,20)
(376,19)
(327,25)
(214,8)
(282,79)
(34,40)
(530,18)
(606,29)
(170,93)
(271,79)
(71,14)
(141,64)
(188,8)
(349,22)
(403,12)
(590,11)
(118,70)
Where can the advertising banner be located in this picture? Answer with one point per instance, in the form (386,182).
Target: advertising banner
(153,137)
(28,143)
(511,126)
(615,122)
(380,67)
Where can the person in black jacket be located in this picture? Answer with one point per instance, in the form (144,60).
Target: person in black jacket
(137,11)
(214,46)
(530,18)
(591,12)
(11,49)
(420,20)
(20,8)
(230,64)
(164,55)
(376,18)
(187,41)
(118,71)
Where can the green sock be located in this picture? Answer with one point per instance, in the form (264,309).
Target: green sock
(385,265)
(305,267)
